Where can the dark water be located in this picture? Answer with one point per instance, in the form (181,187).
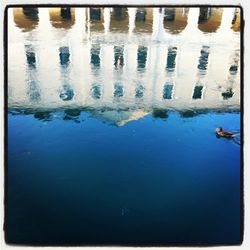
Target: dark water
(77,179)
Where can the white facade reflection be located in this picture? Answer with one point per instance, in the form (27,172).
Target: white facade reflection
(140,58)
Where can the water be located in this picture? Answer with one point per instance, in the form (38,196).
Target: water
(111,127)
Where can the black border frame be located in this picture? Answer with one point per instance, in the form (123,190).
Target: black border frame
(5,55)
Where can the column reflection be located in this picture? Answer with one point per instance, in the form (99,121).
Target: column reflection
(66,92)
(33,90)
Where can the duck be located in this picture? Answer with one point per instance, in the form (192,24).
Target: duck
(222,133)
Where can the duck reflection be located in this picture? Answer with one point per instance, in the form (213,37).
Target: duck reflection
(26,18)
(119,20)
(175,19)
(209,19)
(62,17)
(66,92)
(33,90)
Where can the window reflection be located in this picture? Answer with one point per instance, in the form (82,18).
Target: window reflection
(197,92)
(141,57)
(66,92)
(64,56)
(167,91)
(96,91)
(33,90)
(172,51)
(119,56)
(66,13)
(203,59)
(118,90)
(95,56)
(139,91)
(95,14)
(228,93)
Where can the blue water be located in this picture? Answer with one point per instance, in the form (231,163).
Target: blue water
(83,180)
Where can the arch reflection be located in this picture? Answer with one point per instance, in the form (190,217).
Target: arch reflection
(96,18)
(175,19)
(236,20)
(26,18)
(144,20)
(119,20)
(62,17)
(209,19)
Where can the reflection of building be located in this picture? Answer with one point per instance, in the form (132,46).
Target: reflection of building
(236,20)
(175,19)
(26,18)
(129,70)
(209,19)
(62,17)
(119,21)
